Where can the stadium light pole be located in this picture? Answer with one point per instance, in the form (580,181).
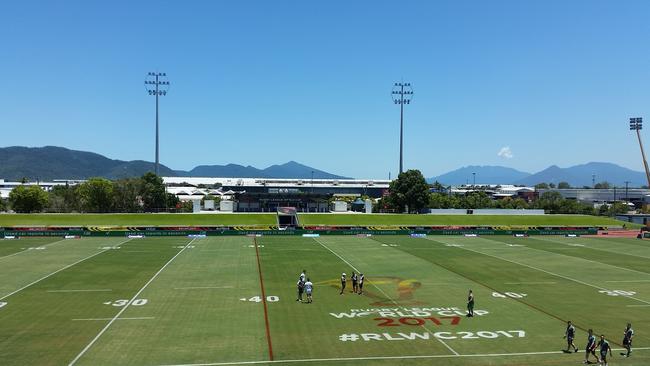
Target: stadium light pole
(636,124)
(157,85)
(402,94)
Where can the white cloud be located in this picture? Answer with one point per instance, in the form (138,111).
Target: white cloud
(505,152)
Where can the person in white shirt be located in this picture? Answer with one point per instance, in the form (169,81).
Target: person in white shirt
(303,275)
(308,288)
(343,282)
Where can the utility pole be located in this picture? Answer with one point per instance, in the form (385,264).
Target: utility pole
(402,94)
(636,124)
(157,85)
(593,181)
(474,179)
(627,182)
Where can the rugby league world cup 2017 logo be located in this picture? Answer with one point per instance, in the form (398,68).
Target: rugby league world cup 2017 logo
(385,290)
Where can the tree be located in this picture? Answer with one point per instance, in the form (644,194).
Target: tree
(3,205)
(551,185)
(63,199)
(541,186)
(439,200)
(96,195)
(550,201)
(616,208)
(474,200)
(27,199)
(152,192)
(602,185)
(563,185)
(409,192)
(126,195)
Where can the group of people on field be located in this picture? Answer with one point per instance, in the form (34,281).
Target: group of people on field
(305,286)
(602,345)
(357,283)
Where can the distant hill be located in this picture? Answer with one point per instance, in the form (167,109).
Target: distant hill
(291,169)
(227,171)
(51,162)
(484,175)
(576,176)
(581,175)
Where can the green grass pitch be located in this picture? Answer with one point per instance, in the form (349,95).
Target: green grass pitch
(147,219)
(469,220)
(231,300)
(268,219)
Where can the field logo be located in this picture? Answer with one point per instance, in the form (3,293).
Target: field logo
(402,294)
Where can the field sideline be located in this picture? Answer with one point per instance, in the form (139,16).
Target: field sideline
(268,219)
(231,300)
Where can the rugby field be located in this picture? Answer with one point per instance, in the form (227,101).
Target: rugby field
(231,300)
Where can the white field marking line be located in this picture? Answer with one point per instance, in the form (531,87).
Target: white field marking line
(545,271)
(89,290)
(201,287)
(628,281)
(379,358)
(590,247)
(26,250)
(134,318)
(636,306)
(580,258)
(385,294)
(119,313)
(530,283)
(58,270)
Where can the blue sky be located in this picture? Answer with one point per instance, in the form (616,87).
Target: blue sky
(265,82)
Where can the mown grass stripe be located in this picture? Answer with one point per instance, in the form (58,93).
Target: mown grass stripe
(101,332)
(59,270)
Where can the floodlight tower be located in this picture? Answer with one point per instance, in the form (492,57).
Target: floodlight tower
(157,85)
(402,94)
(636,124)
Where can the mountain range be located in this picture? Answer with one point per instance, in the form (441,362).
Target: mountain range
(577,176)
(52,162)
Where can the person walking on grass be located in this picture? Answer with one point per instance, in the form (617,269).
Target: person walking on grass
(361,279)
(470,304)
(590,349)
(569,335)
(343,283)
(308,289)
(604,348)
(627,340)
(354,279)
(301,289)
